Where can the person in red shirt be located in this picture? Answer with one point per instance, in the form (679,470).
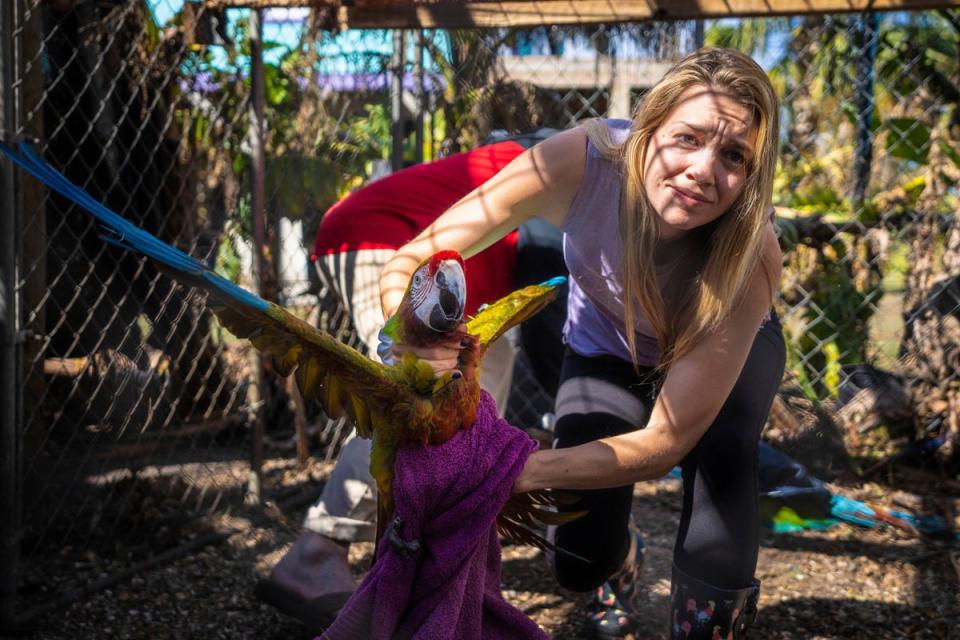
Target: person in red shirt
(356,238)
(387,213)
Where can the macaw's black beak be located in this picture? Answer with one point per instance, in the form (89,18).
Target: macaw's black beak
(447,313)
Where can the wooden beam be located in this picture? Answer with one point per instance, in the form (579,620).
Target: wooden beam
(269,4)
(413,14)
(549,12)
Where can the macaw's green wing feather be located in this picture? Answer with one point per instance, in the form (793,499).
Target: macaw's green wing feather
(340,378)
(524,513)
(495,319)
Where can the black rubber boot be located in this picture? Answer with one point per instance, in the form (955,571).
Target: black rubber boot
(613,610)
(700,611)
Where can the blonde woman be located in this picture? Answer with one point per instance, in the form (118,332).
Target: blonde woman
(673,357)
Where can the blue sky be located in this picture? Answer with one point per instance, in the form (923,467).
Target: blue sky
(283,26)
(340,52)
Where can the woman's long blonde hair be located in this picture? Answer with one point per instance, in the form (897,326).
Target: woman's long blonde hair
(731,251)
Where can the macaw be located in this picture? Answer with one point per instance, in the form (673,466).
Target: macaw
(396,406)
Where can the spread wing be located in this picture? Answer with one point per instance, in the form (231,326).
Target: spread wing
(495,319)
(339,377)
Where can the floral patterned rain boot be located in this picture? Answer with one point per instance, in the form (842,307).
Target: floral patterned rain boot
(700,611)
(613,610)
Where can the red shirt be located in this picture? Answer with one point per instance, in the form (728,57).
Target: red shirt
(391,211)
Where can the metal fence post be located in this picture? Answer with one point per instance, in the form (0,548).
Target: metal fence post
(396,101)
(863,34)
(9,336)
(418,70)
(260,264)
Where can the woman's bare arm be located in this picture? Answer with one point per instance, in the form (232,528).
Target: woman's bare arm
(693,392)
(541,181)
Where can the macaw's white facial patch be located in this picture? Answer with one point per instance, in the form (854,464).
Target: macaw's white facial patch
(439,301)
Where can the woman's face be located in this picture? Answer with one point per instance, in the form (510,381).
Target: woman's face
(697,158)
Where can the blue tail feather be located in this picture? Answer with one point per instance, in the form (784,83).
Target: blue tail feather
(122,232)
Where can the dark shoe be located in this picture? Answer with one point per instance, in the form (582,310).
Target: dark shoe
(701,611)
(615,603)
(311,582)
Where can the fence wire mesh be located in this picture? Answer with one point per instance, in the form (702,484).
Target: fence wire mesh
(137,416)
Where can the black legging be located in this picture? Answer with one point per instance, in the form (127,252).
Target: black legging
(718,538)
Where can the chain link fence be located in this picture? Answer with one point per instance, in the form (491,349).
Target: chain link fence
(135,411)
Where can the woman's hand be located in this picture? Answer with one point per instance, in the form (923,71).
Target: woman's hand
(442,358)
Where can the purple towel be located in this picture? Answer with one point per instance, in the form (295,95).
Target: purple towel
(447,498)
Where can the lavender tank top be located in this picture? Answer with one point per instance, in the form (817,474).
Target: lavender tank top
(593,251)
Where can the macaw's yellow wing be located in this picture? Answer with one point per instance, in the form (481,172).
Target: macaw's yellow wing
(495,319)
(339,377)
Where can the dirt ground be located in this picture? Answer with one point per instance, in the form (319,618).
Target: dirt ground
(845,582)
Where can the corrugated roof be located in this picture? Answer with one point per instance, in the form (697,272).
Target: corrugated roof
(385,14)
